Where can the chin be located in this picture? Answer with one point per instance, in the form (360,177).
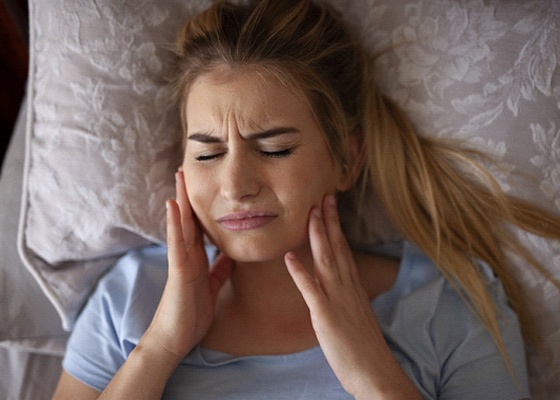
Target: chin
(260,246)
(254,251)
(247,254)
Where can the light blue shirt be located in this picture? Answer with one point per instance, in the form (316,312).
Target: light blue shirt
(437,340)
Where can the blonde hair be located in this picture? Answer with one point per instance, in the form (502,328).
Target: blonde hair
(436,193)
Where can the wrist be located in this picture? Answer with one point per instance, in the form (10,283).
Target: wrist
(151,350)
(145,373)
(385,379)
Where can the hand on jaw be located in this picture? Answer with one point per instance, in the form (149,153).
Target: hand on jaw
(187,305)
(341,314)
(185,311)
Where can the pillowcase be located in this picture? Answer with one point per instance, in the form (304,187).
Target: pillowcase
(102,139)
(29,322)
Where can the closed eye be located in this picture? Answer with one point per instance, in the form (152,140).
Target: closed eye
(209,157)
(269,154)
(277,154)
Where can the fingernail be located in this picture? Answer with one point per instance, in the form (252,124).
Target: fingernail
(331,200)
(317,213)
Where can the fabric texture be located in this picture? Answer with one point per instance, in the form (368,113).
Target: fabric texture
(439,343)
(101,134)
(28,375)
(32,341)
(29,321)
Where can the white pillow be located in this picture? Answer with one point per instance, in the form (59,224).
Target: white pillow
(102,142)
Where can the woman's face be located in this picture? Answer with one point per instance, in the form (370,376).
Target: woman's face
(255,164)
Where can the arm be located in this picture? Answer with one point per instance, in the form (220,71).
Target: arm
(143,377)
(183,316)
(69,388)
(342,317)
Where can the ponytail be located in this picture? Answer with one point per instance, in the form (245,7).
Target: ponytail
(450,206)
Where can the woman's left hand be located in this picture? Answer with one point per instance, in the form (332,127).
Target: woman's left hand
(341,314)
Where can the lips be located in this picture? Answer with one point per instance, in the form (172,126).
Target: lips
(246,220)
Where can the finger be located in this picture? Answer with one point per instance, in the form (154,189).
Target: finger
(326,269)
(309,288)
(176,246)
(219,273)
(338,243)
(191,231)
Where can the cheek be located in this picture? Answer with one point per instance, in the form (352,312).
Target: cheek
(303,194)
(198,194)
(201,208)
(312,183)
(197,206)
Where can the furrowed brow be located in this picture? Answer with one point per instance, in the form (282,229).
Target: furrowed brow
(208,138)
(271,133)
(204,138)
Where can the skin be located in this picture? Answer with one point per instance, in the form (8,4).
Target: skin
(286,284)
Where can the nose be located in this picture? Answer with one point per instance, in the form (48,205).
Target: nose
(240,179)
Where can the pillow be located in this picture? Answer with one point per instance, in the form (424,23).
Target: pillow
(102,140)
(29,321)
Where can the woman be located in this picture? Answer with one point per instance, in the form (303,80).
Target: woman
(279,115)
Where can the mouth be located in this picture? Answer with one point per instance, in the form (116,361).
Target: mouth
(246,220)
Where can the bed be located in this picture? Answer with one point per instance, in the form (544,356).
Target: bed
(91,158)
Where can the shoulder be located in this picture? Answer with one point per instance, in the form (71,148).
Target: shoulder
(128,295)
(131,289)
(140,270)
(116,315)
(137,263)
(437,338)
(427,294)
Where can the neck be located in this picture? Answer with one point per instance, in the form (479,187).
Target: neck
(266,288)
(261,311)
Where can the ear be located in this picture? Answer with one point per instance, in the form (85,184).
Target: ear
(353,163)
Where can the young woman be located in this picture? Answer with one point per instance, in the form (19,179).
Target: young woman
(279,115)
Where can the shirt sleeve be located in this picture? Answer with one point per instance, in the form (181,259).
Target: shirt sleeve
(115,317)
(472,365)
(93,354)
(439,342)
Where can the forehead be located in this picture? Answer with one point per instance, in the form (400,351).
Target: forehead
(251,96)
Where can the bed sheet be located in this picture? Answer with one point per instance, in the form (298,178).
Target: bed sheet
(31,337)
(27,375)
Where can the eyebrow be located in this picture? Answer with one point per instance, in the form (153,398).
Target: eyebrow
(208,138)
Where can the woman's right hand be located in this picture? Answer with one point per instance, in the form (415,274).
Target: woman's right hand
(186,309)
